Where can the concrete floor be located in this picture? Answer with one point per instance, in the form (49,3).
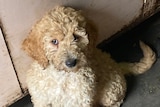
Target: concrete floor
(143,90)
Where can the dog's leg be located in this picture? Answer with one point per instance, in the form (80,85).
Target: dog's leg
(143,65)
(41,104)
(111,90)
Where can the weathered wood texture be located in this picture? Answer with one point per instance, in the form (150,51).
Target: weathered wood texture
(9,86)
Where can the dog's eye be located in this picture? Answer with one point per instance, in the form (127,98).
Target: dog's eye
(55,41)
(76,37)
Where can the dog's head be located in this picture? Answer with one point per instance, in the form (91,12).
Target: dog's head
(61,38)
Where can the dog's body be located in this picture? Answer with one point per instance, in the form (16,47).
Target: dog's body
(69,71)
(77,88)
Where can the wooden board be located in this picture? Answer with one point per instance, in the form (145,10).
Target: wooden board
(9,86)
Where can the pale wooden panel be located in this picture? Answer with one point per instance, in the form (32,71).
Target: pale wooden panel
(9,87)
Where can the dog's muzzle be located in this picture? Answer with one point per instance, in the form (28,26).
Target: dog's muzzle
(71,62)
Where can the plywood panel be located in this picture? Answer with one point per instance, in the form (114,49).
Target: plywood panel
(9,86)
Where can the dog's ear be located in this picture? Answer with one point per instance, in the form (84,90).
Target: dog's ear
(34,46)
(92,33)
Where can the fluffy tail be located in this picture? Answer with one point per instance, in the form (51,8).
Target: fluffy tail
(143,65)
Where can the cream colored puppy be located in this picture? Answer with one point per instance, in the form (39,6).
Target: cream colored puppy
(69,71)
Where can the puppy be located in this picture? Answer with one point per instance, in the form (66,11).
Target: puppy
(68,70)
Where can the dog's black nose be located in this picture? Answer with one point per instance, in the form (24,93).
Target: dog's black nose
(71,62)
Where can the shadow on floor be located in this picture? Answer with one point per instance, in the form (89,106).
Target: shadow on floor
(24,102)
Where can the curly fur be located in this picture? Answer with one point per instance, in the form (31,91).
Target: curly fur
(94,80)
